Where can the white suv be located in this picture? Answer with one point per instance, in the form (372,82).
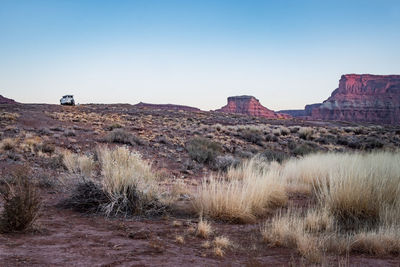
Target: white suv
(67,100)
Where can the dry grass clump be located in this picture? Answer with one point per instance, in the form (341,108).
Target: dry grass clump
(276,132)
(127,184)
(179,239)
(357,206)
(128,180)
(206,244)
(306,133)
(222,242)
(361,187)
(21,202)
(204,229)
(384,241)
(219,252)
(8,144)
(288,230)
(247,192)
(8,116)
(81,165)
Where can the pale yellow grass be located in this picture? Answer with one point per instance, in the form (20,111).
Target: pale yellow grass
(206,244)
(247,192)
(222,242)
(361,186)
(219,252)
(179,239)
(81,165)
(288,230)
(204,229)
(8,144)
(125,172)
(357,209)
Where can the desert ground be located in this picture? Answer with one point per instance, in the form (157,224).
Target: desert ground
(117,185)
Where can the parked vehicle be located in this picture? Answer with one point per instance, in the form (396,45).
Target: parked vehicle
(67,100)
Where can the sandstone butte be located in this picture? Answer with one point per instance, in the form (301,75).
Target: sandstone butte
(5,100)
(363,98)
(249,105)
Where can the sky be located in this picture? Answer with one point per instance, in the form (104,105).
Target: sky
(286,53)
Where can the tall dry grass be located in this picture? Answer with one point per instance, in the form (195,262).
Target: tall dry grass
(81,165)
(245,193)
(127,179)
(357,205)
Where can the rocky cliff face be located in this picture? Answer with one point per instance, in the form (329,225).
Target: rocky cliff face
(300,113)
(249,105)
(363,98)
(166,107)
(5,100)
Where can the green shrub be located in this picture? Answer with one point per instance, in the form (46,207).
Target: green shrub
(252,136)
(203,150)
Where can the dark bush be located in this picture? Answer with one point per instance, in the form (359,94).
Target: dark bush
(271,155)
(252,136)
(8,146)
(359,131)
(302,150)
(69,132)
(87,197)
(56,162)
(46,148)
(372,143)
(112,127)
(21,202)
(322,140)
(123,137)
(291,144)
(203,150)
(222,163)
(342,141)
(354,143)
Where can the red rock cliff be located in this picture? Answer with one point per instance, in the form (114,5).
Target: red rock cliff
(363,98)
(249,105)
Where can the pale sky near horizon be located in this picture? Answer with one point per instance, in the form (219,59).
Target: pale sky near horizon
(285,53)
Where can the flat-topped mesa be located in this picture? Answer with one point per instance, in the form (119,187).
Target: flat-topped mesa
(363,98)
(5,100)
(249,105)
(166,107)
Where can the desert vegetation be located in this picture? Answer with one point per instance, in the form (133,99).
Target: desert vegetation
(216,186)
(356,206)
(21,201)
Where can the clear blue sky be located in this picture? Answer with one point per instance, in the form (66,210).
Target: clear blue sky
(286,53)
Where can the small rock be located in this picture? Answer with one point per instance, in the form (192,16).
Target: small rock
(141,234)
